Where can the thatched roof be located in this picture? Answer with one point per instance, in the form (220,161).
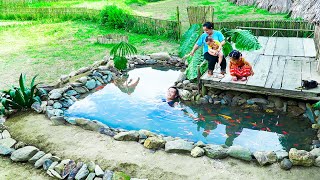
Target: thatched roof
(306,9)
(275,6)
(244,2)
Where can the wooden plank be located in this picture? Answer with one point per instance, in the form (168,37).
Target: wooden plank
(292,75)
(263,42)
(282,46)
(261,69)
(306,69)
(309,47)
(296,46)
(270,47)
(276,73)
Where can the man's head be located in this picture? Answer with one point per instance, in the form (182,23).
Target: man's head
(172,93)
(208,27)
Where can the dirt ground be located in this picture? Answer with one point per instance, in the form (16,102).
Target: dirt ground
(78,144)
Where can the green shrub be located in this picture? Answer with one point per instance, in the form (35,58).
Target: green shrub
(114,17)
(19,98)
(120,62)
(120,52)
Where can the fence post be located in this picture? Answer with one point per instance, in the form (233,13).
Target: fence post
(179,24)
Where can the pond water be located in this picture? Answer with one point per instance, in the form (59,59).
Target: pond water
(140,107)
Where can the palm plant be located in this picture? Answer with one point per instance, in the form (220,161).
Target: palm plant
(19,98)
(120,52)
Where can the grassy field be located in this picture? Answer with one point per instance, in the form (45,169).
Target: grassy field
(53,49)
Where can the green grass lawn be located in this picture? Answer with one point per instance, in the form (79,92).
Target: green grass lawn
(53,49)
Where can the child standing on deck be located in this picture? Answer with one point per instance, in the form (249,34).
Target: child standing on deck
(213,50)
(239,67)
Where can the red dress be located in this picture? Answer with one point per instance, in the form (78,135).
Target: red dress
(240,68)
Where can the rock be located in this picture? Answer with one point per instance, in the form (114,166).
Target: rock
(53,173)
(237,101)
(120,176)
(55,158)
(55,96)
(47,163)
(178,146)
(108,175)
(5,134)
(91,176)
(40,161)
(286,164)
(57,120)
(200,144)
(317,161)
(68,168)
(91,84)
(61,166)
(315,126)
(302,105)
(5,150)
(203,101)
(90,125)
(168,138)
(50,102)
(127,136)
(75,170)
(295,111)
(185,95)
(240,153)
(186,82)
(282,154)
(24,154)
(81,90)
(154,143)
(215,151)
(91,166)
(66,103)
(197,152)
(72,93)
(161,56)
(264,158)
(36,157)
(182,77)
(107,131)
(292,103)
(151,61)
(301,157)
(36,106)
(82,173)
(261,101)
(315,152)
(98,171)
(7,142)
(57,105)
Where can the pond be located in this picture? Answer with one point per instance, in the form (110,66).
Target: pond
(140,107)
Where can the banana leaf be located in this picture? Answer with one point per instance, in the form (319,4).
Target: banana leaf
(188,39)
(193,62)
(227,48)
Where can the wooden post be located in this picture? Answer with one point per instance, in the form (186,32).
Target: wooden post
(179,23)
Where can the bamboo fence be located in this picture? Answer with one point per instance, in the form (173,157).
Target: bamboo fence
(200,14)
(278,28)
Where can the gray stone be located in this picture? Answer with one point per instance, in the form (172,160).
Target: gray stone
(127,136)
(108,175)
(91,176)
(40,161)
(107,131)
(240,153)
(36,157)
(168,138)
(61,166)
(83,70)
(82,173)
(315,152)
(182,77)
(81,90)
(282,154)
(197,152)
(286,164)
(161,56)
(8,142)
(5,134)
(264,158)
(200,144)
(57,120)
(185,95)
(5,150)
(301,157)
(257,101)
(75,170)
(47,163)
(91,166)
(185,82)
(216,151)
(53,173)
(295,111)
(66,103)
(91,84)
(36,106)
(98,171)
(154,143)
(178,146)
(203,101)
(90,125)
(50,102)
(68,168)
(72,93)
(151,61)
(317,161)
(55,96)
(302,105)
(55,158)
(57,105)
(24,154)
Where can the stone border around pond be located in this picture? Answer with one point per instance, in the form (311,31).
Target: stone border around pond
(53,165)
(102,72)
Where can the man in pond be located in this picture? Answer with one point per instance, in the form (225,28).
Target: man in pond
(172,97)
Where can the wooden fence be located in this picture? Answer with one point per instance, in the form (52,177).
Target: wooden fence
(278,28)
(200,14)
(317,39)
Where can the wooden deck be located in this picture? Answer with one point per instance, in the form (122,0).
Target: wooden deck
(279,67)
